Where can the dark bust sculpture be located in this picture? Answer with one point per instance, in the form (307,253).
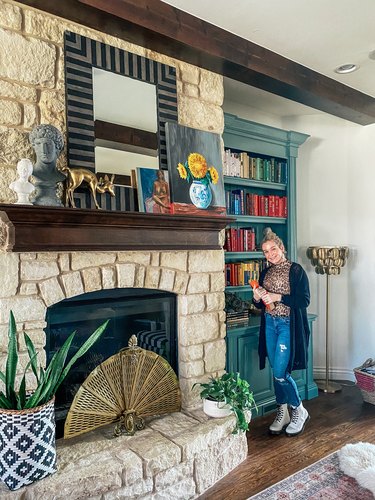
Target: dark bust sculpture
(48,143)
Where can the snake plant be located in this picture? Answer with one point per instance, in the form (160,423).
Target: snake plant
(48,379)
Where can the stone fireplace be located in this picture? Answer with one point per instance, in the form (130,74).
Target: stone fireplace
(184,452)
(35,281)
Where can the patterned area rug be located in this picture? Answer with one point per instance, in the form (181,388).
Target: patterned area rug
(322,480)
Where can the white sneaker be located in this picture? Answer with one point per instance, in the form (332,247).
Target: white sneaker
(298,421)
(282,419)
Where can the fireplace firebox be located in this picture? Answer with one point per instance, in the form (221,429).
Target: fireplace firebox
(148,314)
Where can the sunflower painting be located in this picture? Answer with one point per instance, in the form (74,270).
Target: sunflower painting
(195,171)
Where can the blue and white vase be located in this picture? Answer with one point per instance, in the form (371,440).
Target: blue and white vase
(200,194)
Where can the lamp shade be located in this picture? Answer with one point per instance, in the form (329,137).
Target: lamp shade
(328,259)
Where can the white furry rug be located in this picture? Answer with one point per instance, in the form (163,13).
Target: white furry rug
(358,461)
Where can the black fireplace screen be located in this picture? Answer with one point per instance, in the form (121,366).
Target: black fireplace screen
(149,314)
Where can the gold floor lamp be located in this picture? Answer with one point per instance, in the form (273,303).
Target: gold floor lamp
(328,260)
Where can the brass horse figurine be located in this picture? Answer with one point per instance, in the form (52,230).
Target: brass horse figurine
(76,176)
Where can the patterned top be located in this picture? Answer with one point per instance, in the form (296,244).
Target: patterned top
(276,280)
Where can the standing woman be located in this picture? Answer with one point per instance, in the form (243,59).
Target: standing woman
(283,296)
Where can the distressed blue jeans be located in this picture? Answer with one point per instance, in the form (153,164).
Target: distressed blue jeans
(278,351)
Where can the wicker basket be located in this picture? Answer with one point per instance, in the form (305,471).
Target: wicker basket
(366,382)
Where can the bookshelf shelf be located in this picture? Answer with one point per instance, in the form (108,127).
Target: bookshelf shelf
(261,152)
(235,256)
(243,288)
(239,181)
(256,219)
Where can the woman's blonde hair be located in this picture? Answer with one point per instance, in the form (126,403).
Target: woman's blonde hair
(269,235)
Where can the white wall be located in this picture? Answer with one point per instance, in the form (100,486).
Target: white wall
(361,310)
(335,179)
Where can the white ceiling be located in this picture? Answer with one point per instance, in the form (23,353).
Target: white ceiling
(319,34)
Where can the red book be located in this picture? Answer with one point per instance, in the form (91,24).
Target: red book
(241,236)
(271,205)
(231,274)
(277,206)
(256,205)
(266,206)
(262,207)
(251,204)
(281,207)
(228,243)
(247,240)
(285,212)
(233,239)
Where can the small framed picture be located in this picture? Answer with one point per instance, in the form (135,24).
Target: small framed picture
(153,190)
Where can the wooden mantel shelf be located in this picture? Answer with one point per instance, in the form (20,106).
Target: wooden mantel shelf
(43,229)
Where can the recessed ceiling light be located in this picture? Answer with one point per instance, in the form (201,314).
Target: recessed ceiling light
(346,68)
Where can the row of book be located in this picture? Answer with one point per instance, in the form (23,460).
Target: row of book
(241,273)
(252,167)
(240,239)
(237,318)
(240,202)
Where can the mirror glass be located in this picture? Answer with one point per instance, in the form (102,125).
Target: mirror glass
(121,100)
(115,161)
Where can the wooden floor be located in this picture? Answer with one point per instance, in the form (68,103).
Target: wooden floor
(336,419)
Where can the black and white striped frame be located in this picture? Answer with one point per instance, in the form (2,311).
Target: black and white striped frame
(81,55)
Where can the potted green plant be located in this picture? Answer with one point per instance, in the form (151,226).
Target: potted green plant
(226,394)
(27,420)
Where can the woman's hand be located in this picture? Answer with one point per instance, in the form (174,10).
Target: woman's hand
(259,293)
(274,297)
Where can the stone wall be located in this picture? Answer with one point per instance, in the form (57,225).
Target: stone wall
(33,282)
(32,83)
(177,456)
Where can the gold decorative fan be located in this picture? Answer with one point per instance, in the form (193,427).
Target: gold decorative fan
(131,385)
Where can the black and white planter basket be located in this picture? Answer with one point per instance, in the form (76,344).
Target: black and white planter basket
(27,445)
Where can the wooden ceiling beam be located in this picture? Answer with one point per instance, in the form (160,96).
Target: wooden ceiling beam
(165,29)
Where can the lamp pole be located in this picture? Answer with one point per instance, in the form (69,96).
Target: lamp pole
(327,260)
(327,335)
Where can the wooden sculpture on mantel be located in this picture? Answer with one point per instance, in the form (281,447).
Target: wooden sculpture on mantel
(124,389)
(76,176)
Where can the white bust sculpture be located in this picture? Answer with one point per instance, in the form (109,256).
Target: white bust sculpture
(22,186)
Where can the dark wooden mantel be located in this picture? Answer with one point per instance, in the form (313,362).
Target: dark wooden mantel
(43,229)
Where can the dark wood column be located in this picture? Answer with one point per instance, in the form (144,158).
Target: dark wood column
(163,28)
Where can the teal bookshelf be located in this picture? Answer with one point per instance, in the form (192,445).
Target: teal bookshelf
(271,145)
